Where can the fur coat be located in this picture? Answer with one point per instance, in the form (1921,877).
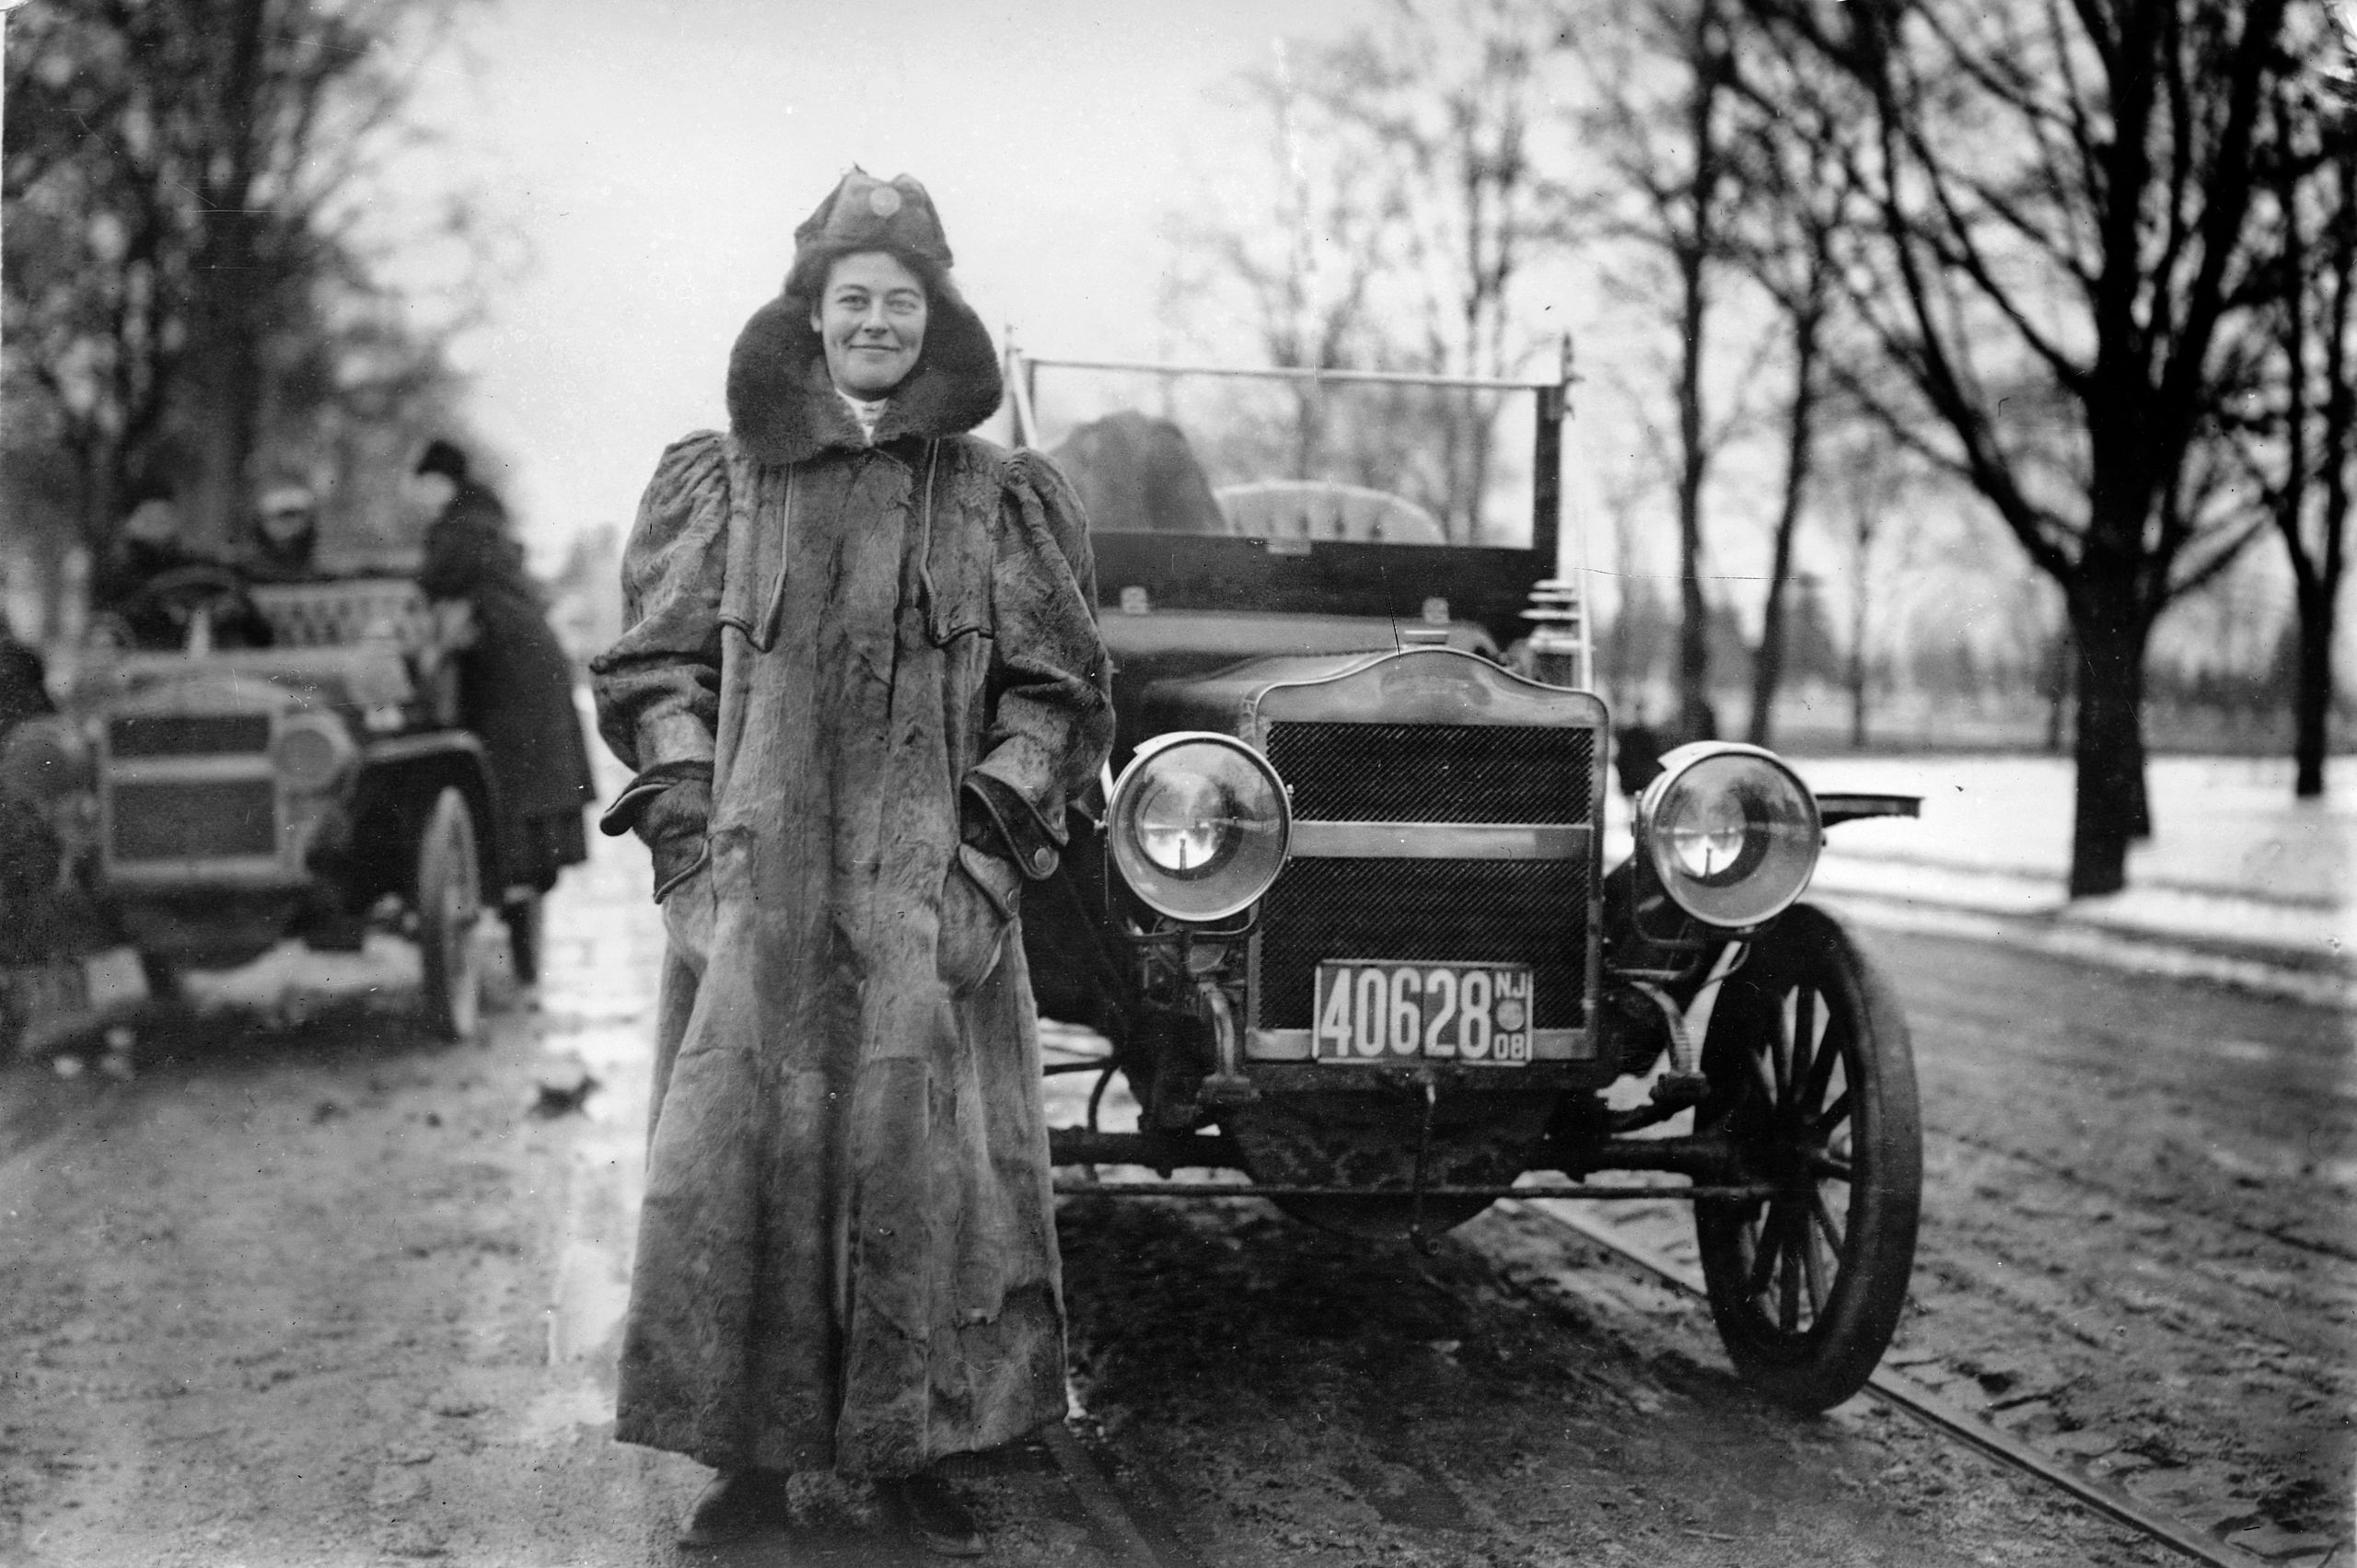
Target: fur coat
(847,1254)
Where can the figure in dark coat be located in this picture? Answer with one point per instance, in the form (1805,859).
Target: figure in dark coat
(861,679)
(24,684)
(514,684)
(29,850)
(149,554)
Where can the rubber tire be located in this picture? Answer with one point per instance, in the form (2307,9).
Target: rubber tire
(448,894)
(1817,1365)
(522,917)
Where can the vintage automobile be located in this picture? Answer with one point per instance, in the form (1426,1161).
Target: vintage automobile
(214,800)
(1344,915)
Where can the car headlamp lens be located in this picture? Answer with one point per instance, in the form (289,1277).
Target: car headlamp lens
(1199,825)
(1707,839)
(1732,834)
(1185,823)
(310,754)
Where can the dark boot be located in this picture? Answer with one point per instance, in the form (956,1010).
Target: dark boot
(934,1516)
(736,1505)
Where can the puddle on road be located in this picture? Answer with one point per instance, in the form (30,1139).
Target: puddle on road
(558,1415)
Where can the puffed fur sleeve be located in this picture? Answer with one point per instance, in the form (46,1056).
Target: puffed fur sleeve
(658,686)
(1051,714)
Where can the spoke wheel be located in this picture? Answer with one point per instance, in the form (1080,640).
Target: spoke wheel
(449,908)
(1813,1080)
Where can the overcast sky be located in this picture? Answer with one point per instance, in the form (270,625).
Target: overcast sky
(656,155)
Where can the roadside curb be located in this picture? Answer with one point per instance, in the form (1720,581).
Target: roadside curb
(2292,975)
(2308,935)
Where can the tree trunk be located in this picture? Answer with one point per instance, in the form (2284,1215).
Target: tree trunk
(1695,252)
(1858,700)
(1694,718)
(1768,669)
(2110,631)
(228,311)
(2312,696)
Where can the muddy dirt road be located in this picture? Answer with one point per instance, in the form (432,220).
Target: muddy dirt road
(308,1288)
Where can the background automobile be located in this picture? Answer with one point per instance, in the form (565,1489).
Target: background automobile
(212,802)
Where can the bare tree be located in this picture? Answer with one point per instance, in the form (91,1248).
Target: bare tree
(1869,485)
(1299,267)
(2300,438)
(1662,119)
(1786,233)
(1409,197)
(2058,262)
(1452,93)
(193,250)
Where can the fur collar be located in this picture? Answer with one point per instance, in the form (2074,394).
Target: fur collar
(782,407)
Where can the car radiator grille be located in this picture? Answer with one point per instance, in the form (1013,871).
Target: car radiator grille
(194,819)
(1520,912)
(1433,772)
(187,734)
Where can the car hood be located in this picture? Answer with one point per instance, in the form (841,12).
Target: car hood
(1411,685)
(1176,669)
(349,677)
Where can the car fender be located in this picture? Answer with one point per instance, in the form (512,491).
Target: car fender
(399,778)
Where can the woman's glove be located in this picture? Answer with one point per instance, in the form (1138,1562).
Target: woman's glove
(690,915)
(673,825)
(978,899)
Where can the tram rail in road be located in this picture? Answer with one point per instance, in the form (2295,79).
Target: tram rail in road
(1130,1535)
(1943,1416)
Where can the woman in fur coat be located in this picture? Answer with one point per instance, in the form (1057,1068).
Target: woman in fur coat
(860,679)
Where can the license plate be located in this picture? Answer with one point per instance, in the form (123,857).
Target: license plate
(1370,1013)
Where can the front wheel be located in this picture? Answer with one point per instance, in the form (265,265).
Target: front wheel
(1813,1080)
(450,907)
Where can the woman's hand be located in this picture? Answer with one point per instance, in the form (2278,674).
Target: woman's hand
(978,901)
(673,827)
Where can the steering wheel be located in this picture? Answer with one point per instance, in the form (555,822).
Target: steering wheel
(179,595)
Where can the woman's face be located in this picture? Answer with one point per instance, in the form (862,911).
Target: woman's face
(871,318)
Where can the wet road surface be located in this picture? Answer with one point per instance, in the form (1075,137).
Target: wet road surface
(310,1288)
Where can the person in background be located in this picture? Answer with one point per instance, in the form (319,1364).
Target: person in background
(860,679)
(29,849)
(146,547)
(286,537)
(154,586)
(515,681)
(24,682)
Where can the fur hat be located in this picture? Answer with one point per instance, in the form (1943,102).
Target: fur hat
(781,404)
(864,213)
